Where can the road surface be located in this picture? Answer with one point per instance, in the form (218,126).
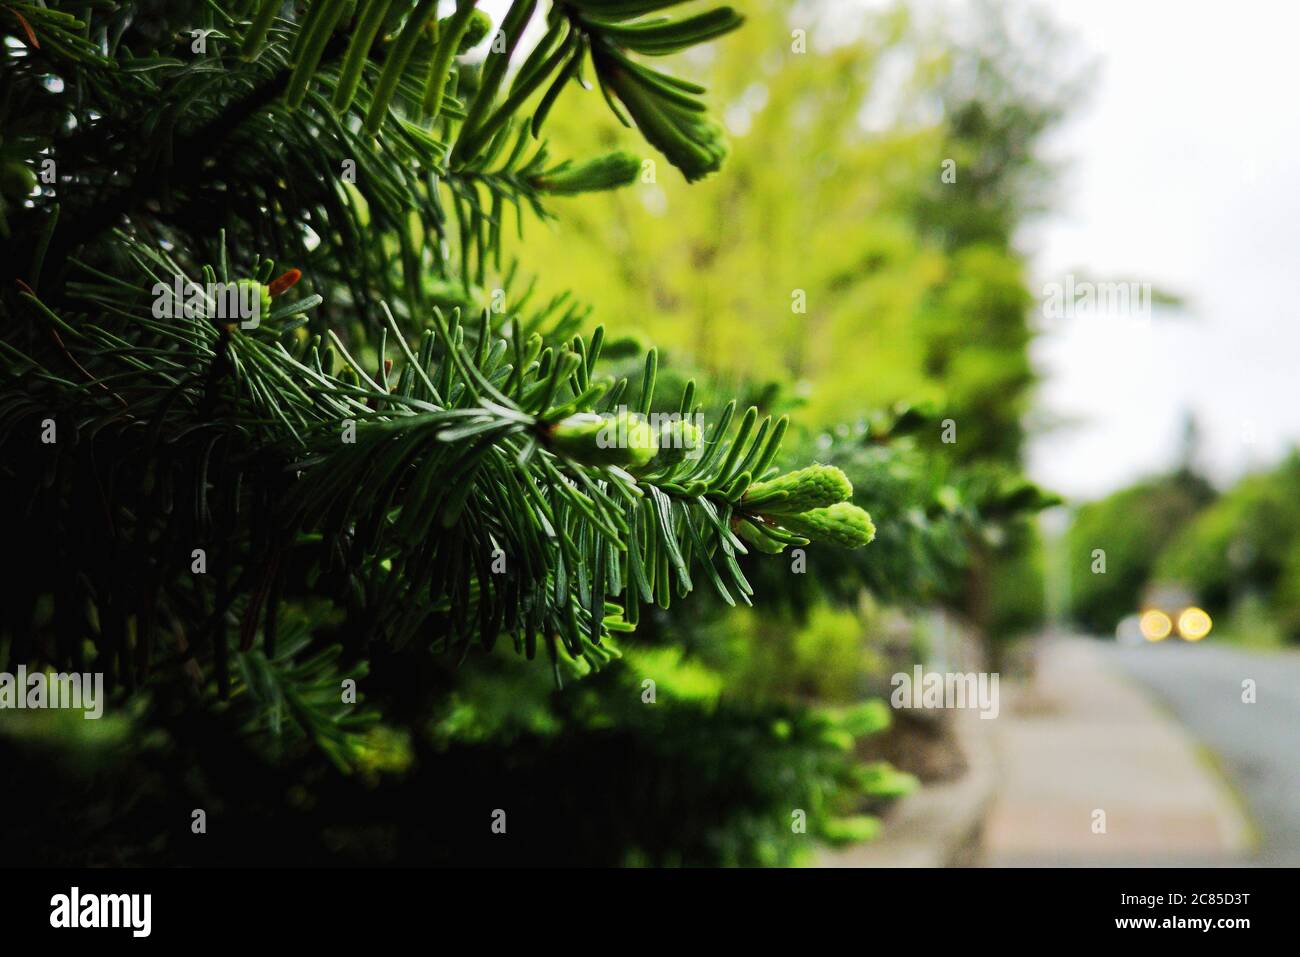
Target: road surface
(1257,745)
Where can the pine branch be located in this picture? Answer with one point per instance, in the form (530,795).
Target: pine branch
(441,478)
(487,449)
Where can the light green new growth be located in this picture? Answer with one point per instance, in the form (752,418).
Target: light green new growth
(816,486)
(843,524)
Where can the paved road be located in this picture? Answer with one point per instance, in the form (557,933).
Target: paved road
(1257,744)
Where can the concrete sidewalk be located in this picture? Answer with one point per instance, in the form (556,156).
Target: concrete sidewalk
(1081,739)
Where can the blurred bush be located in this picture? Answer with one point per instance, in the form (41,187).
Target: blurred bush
(1246,545)
(1132,527)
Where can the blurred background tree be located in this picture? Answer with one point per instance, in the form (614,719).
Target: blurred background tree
(1241,555)
(1132,527)
(880,170)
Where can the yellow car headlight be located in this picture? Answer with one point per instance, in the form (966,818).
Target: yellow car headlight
(1194,624)
(1155,625)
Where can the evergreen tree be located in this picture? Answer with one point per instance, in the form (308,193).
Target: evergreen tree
(273,409)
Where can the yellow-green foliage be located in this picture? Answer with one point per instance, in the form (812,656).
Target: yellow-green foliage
(1245,544)
(809,259)
(825,657)
(1131,526)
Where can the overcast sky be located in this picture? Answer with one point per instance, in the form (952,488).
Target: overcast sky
(1183,172)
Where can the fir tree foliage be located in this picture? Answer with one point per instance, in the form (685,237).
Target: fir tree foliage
(381,436)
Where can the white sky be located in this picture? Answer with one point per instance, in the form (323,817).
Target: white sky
(1183,171)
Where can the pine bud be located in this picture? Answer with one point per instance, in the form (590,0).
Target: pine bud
(610,171)
(625,440)
(677,439)
(816,486)
(843,524)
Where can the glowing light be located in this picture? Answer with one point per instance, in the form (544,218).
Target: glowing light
(1155,625)
(1194,624)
